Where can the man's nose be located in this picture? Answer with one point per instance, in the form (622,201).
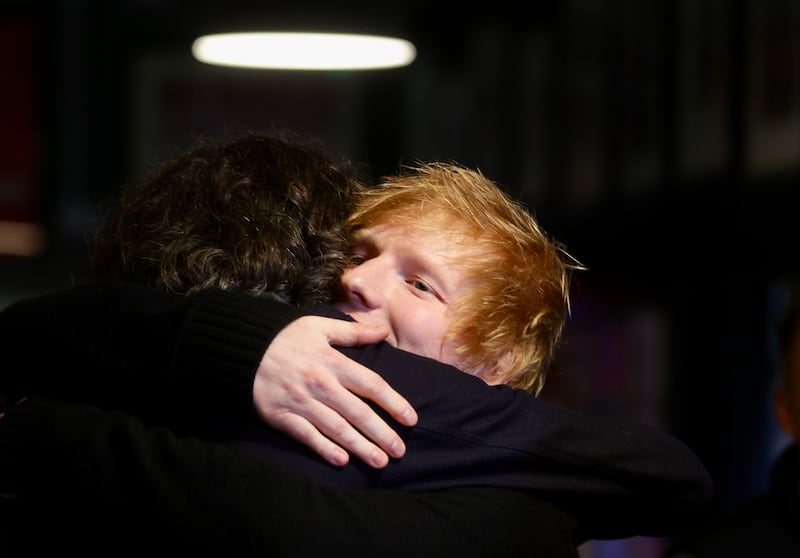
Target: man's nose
(364,283)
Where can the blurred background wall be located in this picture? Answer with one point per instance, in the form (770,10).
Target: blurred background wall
(658,139)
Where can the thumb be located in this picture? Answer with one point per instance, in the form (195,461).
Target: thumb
(351,334)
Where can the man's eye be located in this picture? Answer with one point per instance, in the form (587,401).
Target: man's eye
(421,286)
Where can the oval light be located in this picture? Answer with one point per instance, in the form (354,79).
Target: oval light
(303,51)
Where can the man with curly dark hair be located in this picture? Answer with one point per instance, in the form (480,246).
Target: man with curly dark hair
(262,214)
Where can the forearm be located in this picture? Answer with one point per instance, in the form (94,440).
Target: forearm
(63,343)
(130,347)
(221,345)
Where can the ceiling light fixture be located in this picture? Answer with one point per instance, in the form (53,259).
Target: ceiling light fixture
(303,51)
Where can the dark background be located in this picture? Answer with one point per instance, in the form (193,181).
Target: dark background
(658,140)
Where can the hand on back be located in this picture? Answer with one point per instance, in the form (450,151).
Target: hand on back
(310,391)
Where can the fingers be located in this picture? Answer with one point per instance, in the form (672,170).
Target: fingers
(315,414)
(349,421)
(365,382)
(311,391)
(308,435)
(361,431)
(368,384)
(327,428)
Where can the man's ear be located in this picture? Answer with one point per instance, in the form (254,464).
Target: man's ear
(493,373)
(783,410)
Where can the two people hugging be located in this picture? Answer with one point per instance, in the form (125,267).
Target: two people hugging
(393,338)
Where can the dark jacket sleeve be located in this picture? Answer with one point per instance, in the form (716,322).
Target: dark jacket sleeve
(94,480)
(68,341)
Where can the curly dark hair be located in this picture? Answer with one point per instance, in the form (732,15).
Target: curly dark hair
(263,213)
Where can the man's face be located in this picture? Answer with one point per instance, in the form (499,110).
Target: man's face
(405,279)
